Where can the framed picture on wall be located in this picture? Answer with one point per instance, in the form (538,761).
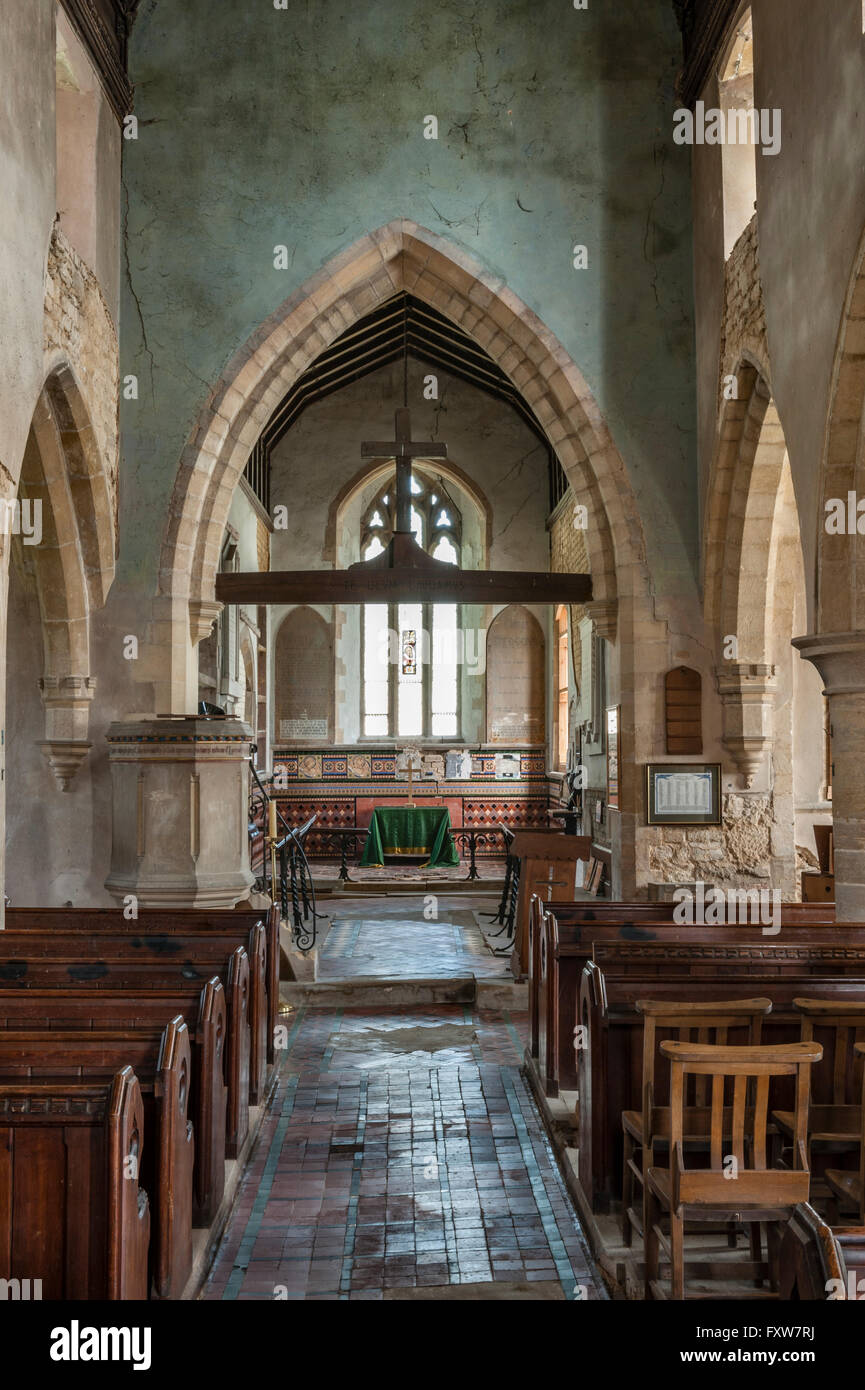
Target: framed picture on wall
(613,719)
(683,793)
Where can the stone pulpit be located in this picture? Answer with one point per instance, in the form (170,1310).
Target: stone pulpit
(180,806)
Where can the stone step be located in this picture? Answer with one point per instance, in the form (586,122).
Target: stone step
(369,989)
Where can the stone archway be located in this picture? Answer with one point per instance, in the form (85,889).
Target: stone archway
(754,590)
(401,256)
(64,484)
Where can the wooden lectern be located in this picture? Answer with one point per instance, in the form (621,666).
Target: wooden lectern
(548,869)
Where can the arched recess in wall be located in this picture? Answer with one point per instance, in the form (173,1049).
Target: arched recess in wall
(400,256)
(755,601)
(516,687)
(303,678)
(64,499)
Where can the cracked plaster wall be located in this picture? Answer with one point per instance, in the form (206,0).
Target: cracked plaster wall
(313,134)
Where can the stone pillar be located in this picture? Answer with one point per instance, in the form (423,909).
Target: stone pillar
(180,789)
(840,659)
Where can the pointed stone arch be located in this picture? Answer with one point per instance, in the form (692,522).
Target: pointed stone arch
(753,568)
(64,483)
(749,499)
(401,256)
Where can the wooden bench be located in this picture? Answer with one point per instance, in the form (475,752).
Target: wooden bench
(162,1065)
(100,948)
(564,946)
(194,921)
(609,1061)
(43,971)
(78,1221)
(206,1017)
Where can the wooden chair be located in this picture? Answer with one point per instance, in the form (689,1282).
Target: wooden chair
(703,1023)
(750,1191)
(848,1188)
(835,1112)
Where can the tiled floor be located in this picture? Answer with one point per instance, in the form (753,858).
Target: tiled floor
(391,939)
(403,1157)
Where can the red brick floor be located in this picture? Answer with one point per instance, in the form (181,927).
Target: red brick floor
(402,1151)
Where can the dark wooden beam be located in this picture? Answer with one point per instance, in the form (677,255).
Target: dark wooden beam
(705,28)
(402,586)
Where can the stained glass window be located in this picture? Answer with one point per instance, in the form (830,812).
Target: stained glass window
(411,651)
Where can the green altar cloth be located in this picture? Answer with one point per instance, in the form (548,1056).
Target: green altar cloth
(410,830)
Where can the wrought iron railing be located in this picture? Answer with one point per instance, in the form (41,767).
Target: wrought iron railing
(291,887)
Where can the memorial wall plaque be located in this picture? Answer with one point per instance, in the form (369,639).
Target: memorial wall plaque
(304,676)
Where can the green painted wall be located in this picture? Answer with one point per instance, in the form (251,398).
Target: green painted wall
(304,126)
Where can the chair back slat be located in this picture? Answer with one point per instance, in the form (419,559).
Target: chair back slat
(740,1089)
(717,1121)
(761,1110)
(839,1079)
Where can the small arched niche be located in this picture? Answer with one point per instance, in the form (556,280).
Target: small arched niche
(303,676)
(516,694)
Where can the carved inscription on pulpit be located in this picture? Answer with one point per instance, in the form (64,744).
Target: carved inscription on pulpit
(515,678)
(304,677)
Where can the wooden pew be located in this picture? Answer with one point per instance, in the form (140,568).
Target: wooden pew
(77,1222)
(818,1261)
(625,914)
(45,971)
(97,947)
(206,1017)
(562,947)
(162,1065)
(700,970)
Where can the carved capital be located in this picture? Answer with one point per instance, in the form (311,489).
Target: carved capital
(67,701)
(203,613)
(840,659)
(604,614)
(747,691)
(64,756)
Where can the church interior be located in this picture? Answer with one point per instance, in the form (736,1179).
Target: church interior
(433,606)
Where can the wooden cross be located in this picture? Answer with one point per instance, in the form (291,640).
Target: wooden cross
(403,449)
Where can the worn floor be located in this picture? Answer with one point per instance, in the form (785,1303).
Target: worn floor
(403,1157)
(392,939)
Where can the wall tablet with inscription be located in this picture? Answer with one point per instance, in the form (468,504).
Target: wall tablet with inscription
(516,704)
(304,677)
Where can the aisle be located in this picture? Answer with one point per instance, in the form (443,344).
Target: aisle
(403,1157)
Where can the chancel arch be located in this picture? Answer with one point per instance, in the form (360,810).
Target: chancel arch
(397,257)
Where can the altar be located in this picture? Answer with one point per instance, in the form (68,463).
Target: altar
(410,831)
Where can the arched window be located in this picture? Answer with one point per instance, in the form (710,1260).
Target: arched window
(560,711)
(410,661)
(739,154)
